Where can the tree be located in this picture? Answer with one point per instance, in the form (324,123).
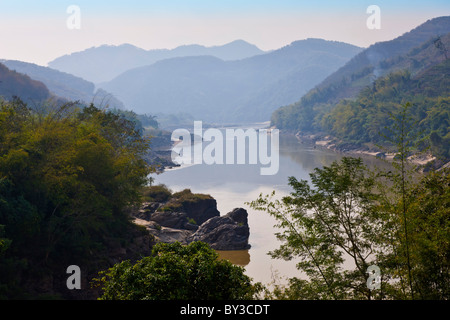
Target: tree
(67,176)
(396,219)
(174,271)
(430,236)
(334,221)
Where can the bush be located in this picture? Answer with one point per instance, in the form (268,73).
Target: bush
(174,271)
(67,177)
(159,193)
(187,195)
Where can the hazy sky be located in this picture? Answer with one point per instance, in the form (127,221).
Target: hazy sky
(36,30)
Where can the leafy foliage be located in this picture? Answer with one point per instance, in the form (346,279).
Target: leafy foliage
(174,271)
(393,219)
(326,224)
(343,223)
(66,177)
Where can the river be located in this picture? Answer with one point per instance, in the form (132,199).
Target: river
(234,185)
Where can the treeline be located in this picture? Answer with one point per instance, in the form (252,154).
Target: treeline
(67,175)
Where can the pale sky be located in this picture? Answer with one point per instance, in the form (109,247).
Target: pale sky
(36,31)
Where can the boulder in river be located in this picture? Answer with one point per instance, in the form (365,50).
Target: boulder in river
(228,232)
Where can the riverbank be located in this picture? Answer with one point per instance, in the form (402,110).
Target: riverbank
(424,162)
(160,154)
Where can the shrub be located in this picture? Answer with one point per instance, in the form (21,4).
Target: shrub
(174,271)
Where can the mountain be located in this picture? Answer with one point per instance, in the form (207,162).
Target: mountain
(65,85)
(215,90)
(101,64)
(414,51)
(13,83)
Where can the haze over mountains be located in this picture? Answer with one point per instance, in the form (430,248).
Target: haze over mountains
(101,64)
(215,90)
(236,82)
(62,85)
(14,83)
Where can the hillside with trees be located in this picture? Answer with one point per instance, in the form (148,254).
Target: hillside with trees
(354,103)
(365,121)
(64,85)
(13,84)
(67,176)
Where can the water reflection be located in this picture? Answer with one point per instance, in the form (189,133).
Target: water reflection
(238,257)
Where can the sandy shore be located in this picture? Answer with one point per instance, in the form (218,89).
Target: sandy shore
(328,143)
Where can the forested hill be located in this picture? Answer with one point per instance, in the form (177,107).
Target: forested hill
(355,110)
(17,84)
(414,51)
(64,85)
(366,121)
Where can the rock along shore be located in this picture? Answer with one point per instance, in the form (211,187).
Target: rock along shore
(187,217)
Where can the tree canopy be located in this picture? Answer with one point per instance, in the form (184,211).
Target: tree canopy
(66,176)
(177,272)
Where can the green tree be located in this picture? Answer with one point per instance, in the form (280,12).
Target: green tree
(174,271)
(429,233)
(67,176)
(324,225)
(396,219)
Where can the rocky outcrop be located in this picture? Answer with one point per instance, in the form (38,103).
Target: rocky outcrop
(186,217)
(229,232)
(176,220)
(186,212)
(200,210)
(165,234)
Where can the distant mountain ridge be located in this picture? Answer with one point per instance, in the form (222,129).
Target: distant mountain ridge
(101,64)
(13,83)
(65,85)
(214,90)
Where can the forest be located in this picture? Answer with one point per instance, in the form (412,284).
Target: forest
(67,174)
